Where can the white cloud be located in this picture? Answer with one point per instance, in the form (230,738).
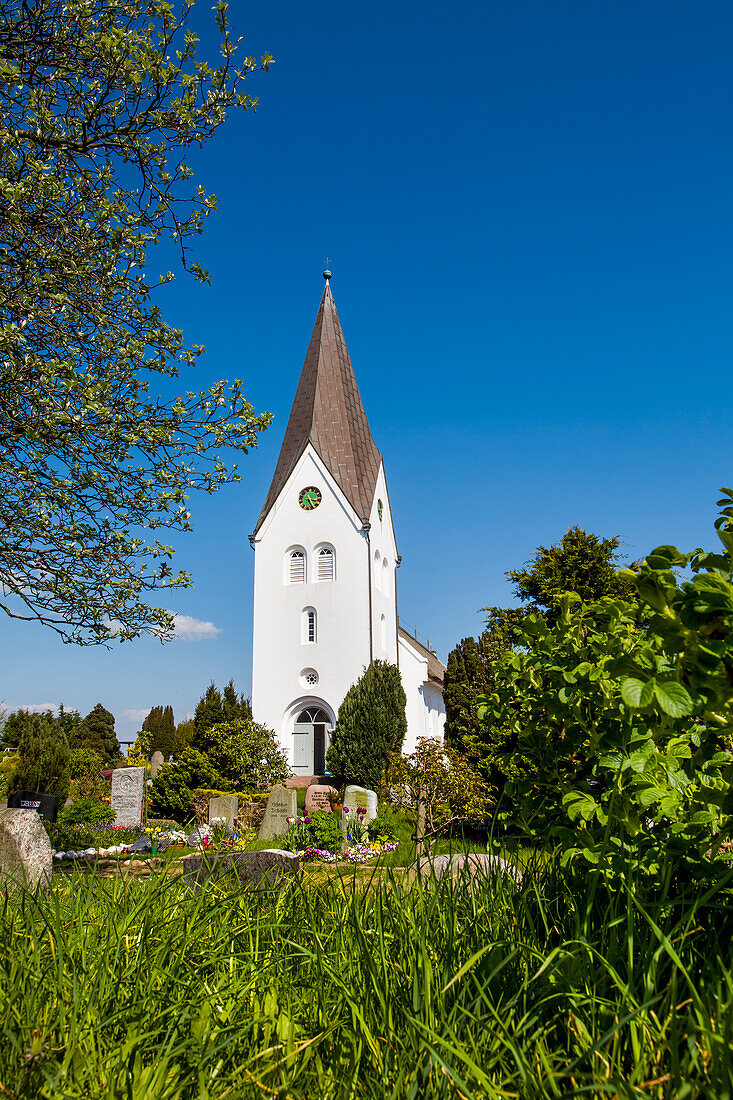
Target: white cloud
(188,629)
(37,708)
(136,716)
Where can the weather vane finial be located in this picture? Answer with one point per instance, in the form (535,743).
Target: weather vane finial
(326,272)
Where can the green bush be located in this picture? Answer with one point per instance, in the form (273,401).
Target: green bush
(44,758)
(382,830)
(86,811)
(371,727)
(317,830)
(174,785)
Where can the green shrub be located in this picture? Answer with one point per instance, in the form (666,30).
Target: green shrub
(44,758)
(317,830)
(174,785)
(382,830)
(86,811)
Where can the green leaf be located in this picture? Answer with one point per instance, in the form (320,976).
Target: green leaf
(673,698)
(636,693)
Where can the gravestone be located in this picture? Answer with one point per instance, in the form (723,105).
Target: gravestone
(128,789)
(261,870)
(223,810)
(156,763)
(359,798)
(316,798)
(197,836)
(45,805)
(282,804)
(26,856)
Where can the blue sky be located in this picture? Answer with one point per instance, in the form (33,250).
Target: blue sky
(527,210)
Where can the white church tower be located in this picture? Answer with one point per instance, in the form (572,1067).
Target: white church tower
(325,601)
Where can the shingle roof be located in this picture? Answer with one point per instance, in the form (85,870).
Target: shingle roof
(436,668)
(328,412)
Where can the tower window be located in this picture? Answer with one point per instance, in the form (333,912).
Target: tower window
(309,624)
(377,569)
(325,571)
(296,567)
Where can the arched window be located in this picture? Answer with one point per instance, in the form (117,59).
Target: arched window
(296,566)
(385,577)
(377,569)
(383,633)
(309,625)
(325,564)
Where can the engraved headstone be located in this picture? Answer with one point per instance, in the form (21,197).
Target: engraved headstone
(316,798)
(223,810)
(26,856)
(128,789)
(44,804)
(156,763)
(359,798)
(282,804)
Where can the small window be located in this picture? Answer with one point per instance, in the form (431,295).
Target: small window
(377,569)
(383,633)
(296,567)
(385,577)
(309,625)
(325,564)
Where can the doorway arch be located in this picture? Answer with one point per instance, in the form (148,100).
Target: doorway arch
(310,726)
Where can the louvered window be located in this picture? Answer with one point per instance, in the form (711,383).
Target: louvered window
(309,624)
(296,573)
(325,564)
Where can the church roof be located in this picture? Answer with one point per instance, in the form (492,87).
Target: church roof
(328,413)
(436,668)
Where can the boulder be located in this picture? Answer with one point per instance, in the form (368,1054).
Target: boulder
(475,864)
(26,856)
(260,870)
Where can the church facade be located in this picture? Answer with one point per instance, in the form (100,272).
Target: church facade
(326,560)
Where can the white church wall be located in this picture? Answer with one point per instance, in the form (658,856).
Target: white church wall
(414,672)
(383,549)
(282,652)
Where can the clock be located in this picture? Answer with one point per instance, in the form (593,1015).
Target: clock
(309,498)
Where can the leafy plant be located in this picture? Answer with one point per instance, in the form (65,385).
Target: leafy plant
(317,830)
(44,759)
(381,829)
(85,811)
(85,770)
(246,753)
(618,717)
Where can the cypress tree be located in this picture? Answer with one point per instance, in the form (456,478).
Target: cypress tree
(44,758)
(209,711)
(160,728)
(470,673)
(235,706)
(371,726)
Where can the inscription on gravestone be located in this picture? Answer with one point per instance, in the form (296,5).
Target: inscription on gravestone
(316,798)
(282,804)
(128,788)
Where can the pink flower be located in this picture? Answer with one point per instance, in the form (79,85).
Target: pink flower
(346,809)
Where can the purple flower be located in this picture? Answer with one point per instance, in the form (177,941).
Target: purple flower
(306,821)
(346,809)
(361,810)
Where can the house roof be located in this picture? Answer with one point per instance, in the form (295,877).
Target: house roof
(328,413)
(436,668)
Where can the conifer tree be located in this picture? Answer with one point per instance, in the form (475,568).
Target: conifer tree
(161,730)
(371,726)
(470,673)
(235,706)
(98,733)
(214,708)
(44,759)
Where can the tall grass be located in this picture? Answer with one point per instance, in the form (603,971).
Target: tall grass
(359,987)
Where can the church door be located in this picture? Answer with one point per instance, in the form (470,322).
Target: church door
(310,741)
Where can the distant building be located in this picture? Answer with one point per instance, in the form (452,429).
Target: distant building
(325,601)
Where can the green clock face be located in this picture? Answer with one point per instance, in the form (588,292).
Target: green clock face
(309,498)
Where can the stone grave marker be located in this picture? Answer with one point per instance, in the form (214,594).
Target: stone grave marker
(359,798)
(261,870)
(316,798)
(223,810)
(282,803)
(156,763)
(46,805)
(128,790)
(476,865)
(26,856)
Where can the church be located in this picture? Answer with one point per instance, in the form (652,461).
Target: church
(326,561)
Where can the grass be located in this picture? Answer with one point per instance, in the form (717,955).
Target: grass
(357,984)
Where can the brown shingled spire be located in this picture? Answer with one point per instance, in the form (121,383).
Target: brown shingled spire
(328,412)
